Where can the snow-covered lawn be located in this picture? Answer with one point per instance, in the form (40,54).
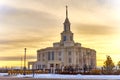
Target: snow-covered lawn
(3,74)
(72,76)
(59,76)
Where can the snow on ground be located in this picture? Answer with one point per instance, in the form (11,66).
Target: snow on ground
(3,74)
(59,76)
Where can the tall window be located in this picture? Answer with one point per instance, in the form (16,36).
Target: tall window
(64,38)
(43,55)
(43,59)
(69,53)
(59,53)
(43,66)
(52,55)
(76,54)
(39,55)
(59,59)
(48,55)
(70,60)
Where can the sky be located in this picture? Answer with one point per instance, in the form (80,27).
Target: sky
(37,24)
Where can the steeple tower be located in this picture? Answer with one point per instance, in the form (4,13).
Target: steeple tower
(67,35)
(66,23)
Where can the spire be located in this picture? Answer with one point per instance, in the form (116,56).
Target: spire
(66,11)
(66,20)
(66,23)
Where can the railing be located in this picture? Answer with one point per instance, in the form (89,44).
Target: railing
(16,72)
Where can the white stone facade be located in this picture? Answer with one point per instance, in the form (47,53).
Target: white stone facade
(65,53)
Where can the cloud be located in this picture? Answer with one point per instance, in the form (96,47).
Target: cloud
(16,58)
(94,29)
(27,18)
(77,3)
(25,27)
(27,41)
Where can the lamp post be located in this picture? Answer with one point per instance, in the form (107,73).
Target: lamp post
(88,61)
(33,70)
(84,65)
(24,62)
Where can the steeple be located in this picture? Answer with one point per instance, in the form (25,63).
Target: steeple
(66,23)
(66,11)
(67,35)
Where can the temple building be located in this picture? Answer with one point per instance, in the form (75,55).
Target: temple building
(65,53)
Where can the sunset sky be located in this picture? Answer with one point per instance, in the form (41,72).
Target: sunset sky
(36,24)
